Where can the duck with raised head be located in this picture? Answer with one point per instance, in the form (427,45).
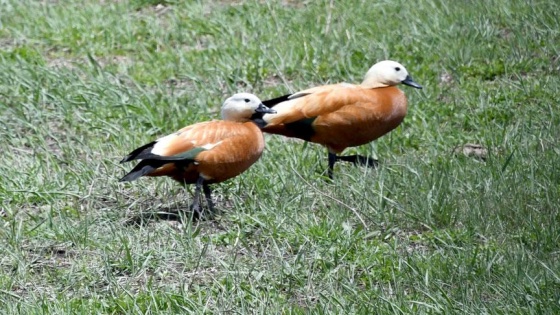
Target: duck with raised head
(206,152)
(344,115)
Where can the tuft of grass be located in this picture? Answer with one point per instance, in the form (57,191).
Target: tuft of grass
(429,231)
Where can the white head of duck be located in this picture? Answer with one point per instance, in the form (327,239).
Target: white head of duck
(388,73)
(242,106)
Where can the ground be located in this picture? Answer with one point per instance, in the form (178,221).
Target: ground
(461,216)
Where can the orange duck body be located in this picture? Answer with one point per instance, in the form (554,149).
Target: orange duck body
(214,150)
(340,116)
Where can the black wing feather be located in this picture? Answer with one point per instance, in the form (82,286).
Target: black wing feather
(275,101)
(288,97)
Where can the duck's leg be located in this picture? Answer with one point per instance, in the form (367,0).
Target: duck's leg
(332,160)
(196,208)
(359,160)
(208,195)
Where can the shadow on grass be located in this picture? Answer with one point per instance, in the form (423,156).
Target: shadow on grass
(168,213)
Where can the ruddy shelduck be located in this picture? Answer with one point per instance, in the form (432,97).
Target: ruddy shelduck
(344,115)
(207,152)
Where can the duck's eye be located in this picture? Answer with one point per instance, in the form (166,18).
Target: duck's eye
(247,100)
(397,69)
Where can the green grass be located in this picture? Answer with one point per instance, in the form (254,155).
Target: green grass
(84,82)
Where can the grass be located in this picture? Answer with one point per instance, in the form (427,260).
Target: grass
(84,82)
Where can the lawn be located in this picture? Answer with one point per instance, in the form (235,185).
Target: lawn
(430,231)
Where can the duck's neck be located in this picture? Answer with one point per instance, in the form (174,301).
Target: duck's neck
(372,82)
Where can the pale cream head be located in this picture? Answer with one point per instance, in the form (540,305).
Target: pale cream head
(388,73)
(242,106)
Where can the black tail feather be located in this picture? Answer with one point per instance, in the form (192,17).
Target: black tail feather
(139,153)
(143,168)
